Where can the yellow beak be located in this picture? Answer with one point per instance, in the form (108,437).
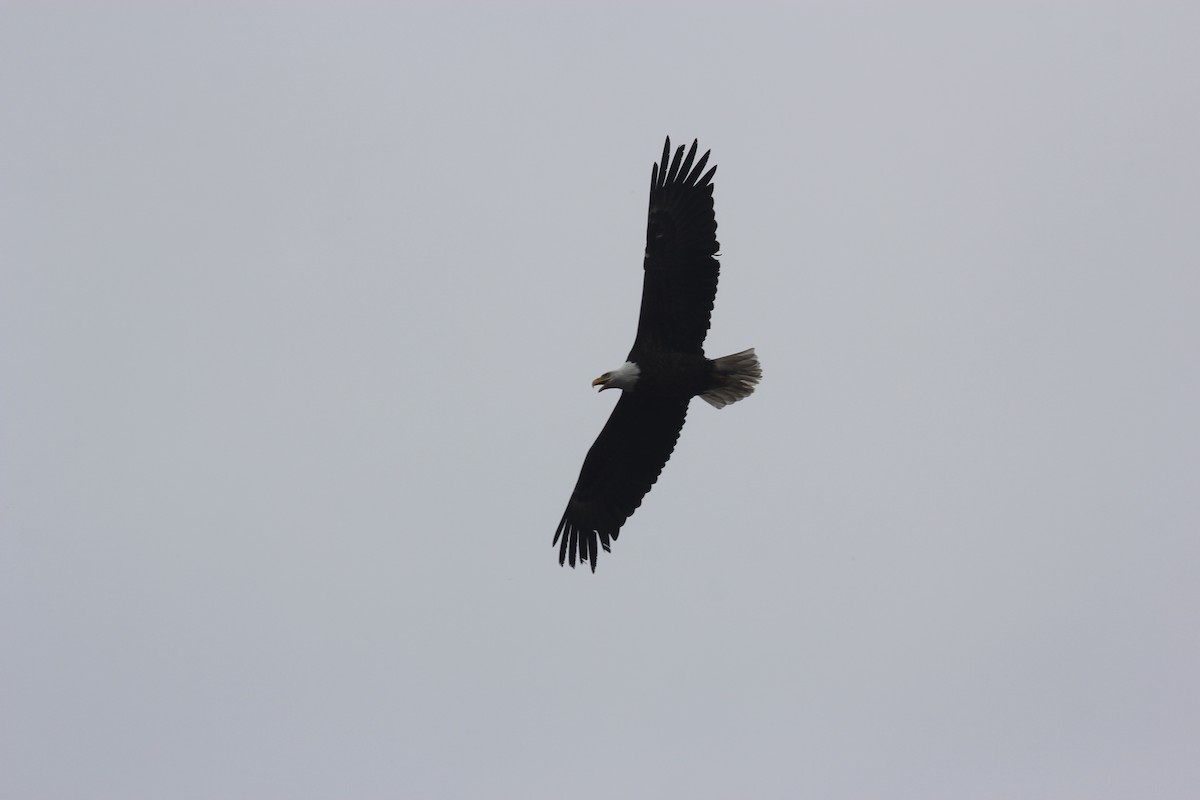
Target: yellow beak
(598,382)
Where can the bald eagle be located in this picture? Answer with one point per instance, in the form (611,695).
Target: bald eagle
(666,367)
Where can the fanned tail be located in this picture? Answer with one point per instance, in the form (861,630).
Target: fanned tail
(734,377)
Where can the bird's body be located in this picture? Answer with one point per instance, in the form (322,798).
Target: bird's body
(670,375)
(666,367)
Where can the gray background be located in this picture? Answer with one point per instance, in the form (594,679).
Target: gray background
(299,305)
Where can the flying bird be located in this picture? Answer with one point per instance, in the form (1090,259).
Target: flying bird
(666,367)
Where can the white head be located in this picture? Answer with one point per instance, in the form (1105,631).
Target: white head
(623,377)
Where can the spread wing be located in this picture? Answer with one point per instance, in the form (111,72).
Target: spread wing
(681,268)
(619,470)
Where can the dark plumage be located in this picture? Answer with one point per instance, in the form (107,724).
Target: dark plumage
(666,367)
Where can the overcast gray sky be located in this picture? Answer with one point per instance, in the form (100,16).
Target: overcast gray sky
(299,308)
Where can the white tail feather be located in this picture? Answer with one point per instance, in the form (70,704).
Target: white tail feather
(735,377)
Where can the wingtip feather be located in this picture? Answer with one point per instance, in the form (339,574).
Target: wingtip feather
(675,162)
(698,170)
(685,170)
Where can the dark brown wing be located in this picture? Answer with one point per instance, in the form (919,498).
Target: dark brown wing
(619,470)
(681,269)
